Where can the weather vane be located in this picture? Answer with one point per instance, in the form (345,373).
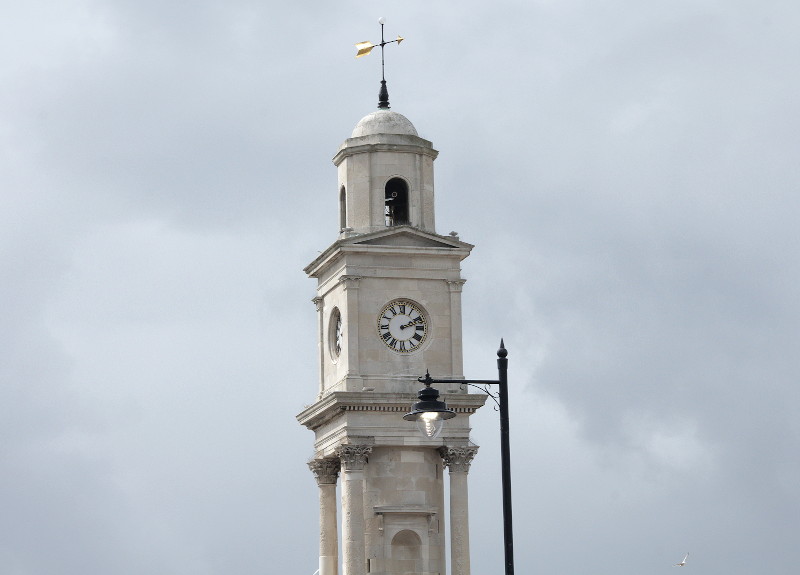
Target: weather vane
(365,48)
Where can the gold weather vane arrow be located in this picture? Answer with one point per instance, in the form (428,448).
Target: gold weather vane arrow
(365,48)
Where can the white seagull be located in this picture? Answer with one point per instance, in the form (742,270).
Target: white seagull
(683,561)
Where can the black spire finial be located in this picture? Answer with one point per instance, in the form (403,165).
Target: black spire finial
(502,352)
(365,48)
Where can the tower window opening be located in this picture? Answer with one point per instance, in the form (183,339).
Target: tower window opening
(396,202)
(342,209)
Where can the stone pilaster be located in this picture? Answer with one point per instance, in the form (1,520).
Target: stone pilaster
(326,472)
(353,458)
(458,460)
(456,347)
(319,304)
(350,284)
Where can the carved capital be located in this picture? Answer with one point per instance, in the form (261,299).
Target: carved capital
(458,459)
(349,282)
(455,285)
(317,301)
(325,470)
(353,457)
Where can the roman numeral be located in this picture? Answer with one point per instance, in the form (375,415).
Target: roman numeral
(386,336)
(384,326)
(420,327)
(402,345)
(402,307)
(416,337)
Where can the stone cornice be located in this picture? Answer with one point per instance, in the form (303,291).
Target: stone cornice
(341,402)
(339,249)
(411,145)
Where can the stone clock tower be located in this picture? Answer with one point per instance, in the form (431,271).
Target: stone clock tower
(389,308)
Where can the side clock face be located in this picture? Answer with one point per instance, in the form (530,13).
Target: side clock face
(402,326)
(336,337)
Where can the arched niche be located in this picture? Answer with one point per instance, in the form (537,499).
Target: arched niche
(406,546)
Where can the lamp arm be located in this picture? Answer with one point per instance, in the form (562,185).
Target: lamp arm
(483,388)
(427,379)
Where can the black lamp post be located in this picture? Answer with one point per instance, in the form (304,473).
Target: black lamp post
(430,414)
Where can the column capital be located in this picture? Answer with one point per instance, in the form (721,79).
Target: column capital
(349,282)
(317,301)
(458,459)
(325,470)
(353,457)
(456,285)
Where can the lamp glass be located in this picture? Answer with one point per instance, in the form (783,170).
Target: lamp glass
(430,423)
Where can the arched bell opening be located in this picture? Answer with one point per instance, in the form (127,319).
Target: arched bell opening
(396,202)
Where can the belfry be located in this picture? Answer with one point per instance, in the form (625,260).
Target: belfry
(389,308)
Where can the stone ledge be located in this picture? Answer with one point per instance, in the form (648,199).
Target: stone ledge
(405,509)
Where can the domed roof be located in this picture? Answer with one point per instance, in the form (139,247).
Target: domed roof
(384,122)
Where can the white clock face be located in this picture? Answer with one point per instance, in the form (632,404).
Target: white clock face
(402,326)
(336,337)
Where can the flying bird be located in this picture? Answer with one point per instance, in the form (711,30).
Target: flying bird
(683,561)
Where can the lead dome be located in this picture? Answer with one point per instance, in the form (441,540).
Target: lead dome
(384,122)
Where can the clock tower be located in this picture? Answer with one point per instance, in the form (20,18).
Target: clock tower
(389,308)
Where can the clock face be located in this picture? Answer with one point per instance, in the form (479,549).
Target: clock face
(336,336)
(402,326)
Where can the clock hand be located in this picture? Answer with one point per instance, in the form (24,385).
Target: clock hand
(412,322)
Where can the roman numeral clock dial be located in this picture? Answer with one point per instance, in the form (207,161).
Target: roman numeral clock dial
(402,326)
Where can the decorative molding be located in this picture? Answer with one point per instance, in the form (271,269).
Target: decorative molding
(325,470)
(404,144)
(398,408)
(458,459)
(455,285)
(317,301)
(353,457)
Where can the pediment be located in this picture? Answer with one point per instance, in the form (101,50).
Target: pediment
(408,237)
(399,240)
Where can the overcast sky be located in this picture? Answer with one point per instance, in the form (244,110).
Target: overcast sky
(628,171)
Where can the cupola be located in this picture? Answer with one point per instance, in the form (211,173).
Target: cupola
(385,176)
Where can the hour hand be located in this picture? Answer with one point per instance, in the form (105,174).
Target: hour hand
(412,322)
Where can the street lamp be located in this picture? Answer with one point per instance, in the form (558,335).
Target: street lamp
(430,415)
